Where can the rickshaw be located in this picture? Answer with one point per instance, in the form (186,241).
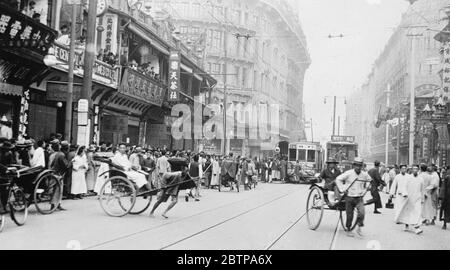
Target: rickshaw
(45,185)
(318,202)
(119,196)
(12,196)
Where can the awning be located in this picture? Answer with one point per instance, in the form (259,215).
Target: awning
(186,68)
(10,89)
(133,28)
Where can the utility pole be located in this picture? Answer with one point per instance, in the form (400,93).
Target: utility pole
(339,126)
(334,115)
(412,118)
(225,95)
(312,131)
(69,97)
(89,58)
(388,104)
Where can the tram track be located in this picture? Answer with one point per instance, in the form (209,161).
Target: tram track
(286,231)
(196,215)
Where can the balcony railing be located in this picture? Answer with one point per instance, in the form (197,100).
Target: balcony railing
(103,73)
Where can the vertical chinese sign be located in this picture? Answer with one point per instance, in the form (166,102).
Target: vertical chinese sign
(446,70)
(109,37)
(174,79)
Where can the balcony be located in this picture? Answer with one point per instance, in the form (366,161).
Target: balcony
(103,73)
(23,35)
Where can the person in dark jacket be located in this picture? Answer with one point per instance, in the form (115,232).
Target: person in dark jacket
(207,169)
(194,172)
(329,175)
(444,198)
(59,164)
(376,183)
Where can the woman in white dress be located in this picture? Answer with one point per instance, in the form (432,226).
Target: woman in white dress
(215,179)
(79,168)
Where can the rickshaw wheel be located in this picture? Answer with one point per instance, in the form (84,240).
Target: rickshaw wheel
(18,206)
(141,205)
(121,190)
(2,222)
(315,208)
(343,217)
(46,187)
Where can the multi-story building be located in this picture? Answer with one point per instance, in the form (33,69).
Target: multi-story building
(258,50)
(421,22)
(130,99)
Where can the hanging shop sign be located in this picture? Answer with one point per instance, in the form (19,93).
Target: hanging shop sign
(18,31)
(139,86)
(109,36)
(24,107)
(446,70)
(174,80)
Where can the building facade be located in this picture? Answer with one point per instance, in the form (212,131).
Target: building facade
(420,23)
(258,50)
(131,75)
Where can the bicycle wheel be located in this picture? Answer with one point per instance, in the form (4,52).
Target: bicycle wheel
(117,197)
(47,194)
(141,205)
(343,217)
(18,206)
(315,208)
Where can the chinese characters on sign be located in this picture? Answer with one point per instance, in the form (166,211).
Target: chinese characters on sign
(174,79)
(24,107)
(137,85)
(446,70)
(109,37)
(20,31)
(349,139)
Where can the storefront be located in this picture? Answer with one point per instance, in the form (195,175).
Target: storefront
(23,45)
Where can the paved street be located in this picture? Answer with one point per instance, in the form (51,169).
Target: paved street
(255,220)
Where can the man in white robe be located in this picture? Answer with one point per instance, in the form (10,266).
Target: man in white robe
(121,159)
(431,185)
(408,190)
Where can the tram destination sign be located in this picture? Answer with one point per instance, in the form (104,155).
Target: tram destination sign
(348,139)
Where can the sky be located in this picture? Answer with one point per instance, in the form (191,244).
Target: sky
(340,65)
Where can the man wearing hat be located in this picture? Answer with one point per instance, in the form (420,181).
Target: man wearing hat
(354,183)
(329,175)
(5,128)
(376,183)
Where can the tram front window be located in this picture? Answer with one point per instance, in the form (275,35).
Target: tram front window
(311,156)
(292,155)
(302,155)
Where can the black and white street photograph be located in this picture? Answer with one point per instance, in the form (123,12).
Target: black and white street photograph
(212,125)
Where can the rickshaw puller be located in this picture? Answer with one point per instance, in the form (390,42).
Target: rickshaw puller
(355,194)
(170,179)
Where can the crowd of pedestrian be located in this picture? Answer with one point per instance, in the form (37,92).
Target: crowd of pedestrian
(420,194)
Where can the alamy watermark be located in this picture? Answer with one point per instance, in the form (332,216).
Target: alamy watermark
(261,122)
